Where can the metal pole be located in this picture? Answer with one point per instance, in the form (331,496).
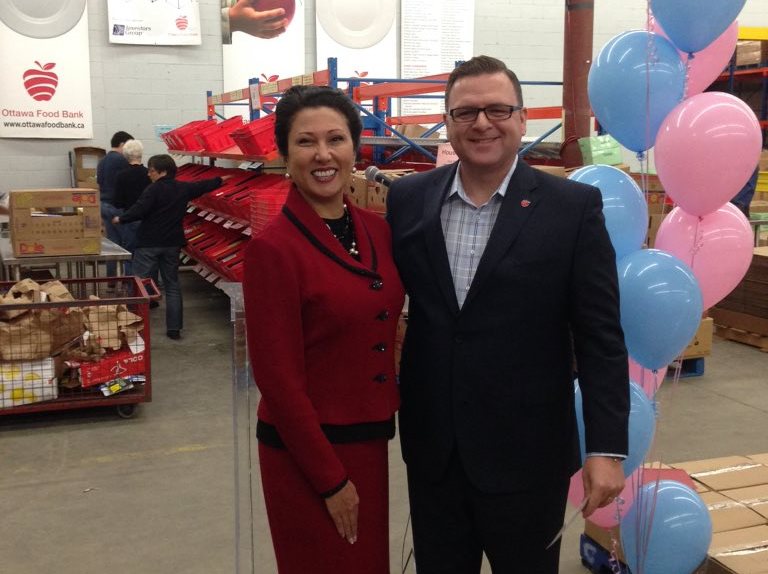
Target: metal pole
(577,58)
(244,401)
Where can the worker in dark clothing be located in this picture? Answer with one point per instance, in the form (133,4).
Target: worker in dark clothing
(161,209)
(106,172)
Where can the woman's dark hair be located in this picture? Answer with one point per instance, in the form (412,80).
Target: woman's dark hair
(298,98)
(163,162)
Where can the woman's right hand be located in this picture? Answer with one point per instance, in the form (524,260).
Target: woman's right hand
(343,507)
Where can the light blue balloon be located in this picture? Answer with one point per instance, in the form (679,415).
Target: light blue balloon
(624,206)
(642,426)
(635,81)
(661,306)
(667,530)
(692,25)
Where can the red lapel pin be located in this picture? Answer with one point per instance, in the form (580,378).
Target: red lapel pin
(525,203)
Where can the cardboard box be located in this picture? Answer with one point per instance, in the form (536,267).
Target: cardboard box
(743,551)
(753,497)
(654,222)
(415,131)
(377,193)
(114,365)
(652,181)
(764,160)
(761,458)
(751,52)
(25,382)
(726,473)
(758,206)
(358,190)
(728,513)
(557,170)
(603,150)
(86,160)
(55,222)
(701,345)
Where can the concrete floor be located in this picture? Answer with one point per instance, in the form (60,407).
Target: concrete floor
(87,492)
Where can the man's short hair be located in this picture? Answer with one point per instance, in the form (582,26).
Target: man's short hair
(120,138)
(480,65)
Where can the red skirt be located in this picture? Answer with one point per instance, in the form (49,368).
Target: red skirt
(304,536)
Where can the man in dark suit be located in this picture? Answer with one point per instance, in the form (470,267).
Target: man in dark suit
(509,271)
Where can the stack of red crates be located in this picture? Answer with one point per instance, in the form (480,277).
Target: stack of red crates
(257,138)
(183,137)
(216,137)
(267,200)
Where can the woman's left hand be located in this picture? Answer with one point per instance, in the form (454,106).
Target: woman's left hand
(343,507)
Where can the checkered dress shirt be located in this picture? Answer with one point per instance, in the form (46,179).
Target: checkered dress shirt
(466,229)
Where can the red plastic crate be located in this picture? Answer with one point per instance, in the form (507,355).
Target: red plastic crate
(217,136)
(184,136)
(267,200)
(256,137)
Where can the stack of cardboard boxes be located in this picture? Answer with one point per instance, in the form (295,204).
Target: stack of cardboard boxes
(55,222)
(743,314)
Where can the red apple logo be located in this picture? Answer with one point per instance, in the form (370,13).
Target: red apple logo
(268,103)
(41,84)
(182,22)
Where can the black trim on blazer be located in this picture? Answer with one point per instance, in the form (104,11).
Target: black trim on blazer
(336,434)
(330,254)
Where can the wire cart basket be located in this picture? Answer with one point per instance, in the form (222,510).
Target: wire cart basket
(75,343)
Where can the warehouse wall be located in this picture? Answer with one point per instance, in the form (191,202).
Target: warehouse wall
(137,87)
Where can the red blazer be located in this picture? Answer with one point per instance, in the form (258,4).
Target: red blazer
(321,329)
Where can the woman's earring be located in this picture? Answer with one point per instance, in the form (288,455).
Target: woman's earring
(354,169)
(287,175)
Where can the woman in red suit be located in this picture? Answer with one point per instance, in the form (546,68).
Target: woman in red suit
(322,300)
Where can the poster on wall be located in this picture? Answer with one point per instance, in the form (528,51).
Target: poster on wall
(154,22)
(434,35)
(265,43)
(362,36)
(45,66)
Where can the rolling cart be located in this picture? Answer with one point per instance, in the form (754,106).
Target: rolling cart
(90,351)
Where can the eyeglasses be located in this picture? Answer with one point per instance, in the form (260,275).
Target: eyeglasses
(495,112)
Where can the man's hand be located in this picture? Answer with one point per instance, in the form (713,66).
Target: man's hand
(603,481)
(243,17)
(343,507)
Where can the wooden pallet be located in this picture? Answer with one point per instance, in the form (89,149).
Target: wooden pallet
(753,339)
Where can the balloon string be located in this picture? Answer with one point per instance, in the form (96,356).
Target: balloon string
(686,86)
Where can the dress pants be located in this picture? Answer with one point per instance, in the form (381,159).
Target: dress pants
(454,523)
(304,535)
(147,261)
(112,231)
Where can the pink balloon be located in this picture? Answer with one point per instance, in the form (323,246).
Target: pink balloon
(610,515)
(710,62)
(646,379)
(718,247)
(707,64)
(706,150)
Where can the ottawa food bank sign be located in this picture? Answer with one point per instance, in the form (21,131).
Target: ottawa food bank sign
(46,83)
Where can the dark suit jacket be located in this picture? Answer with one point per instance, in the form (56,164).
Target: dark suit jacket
(494,379)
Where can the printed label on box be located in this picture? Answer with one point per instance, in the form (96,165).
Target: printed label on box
(112,366)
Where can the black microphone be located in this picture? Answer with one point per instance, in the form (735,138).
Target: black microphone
(374,174)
